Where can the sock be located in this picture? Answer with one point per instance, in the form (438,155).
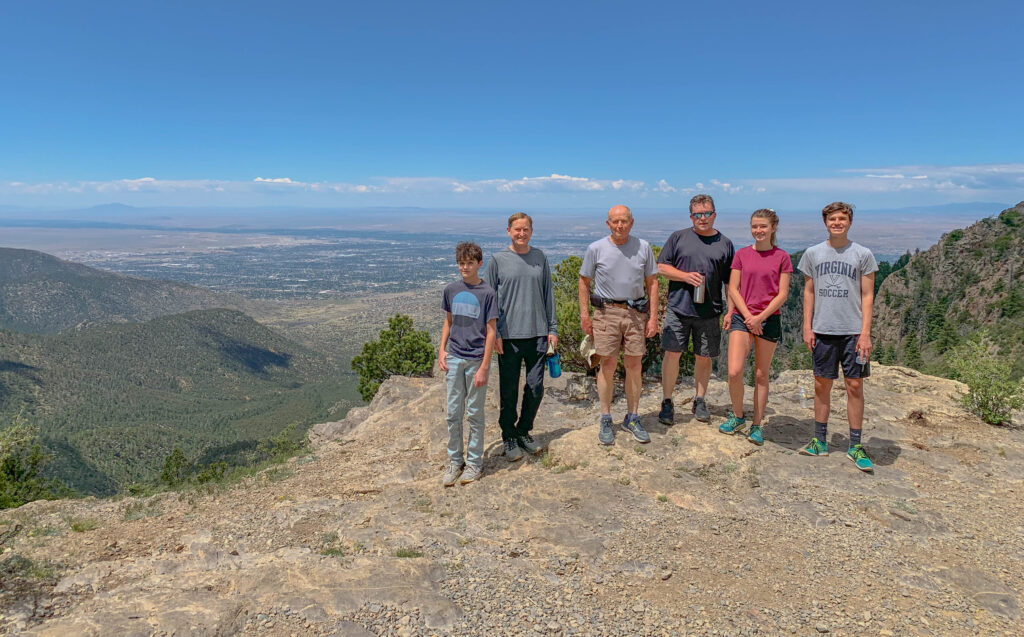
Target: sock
(821,430)
(854,437)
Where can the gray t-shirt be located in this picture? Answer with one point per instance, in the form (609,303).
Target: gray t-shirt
(526,295)
(836,275)
(618,271)
(471,307)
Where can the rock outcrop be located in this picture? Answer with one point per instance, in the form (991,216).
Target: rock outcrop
(694,533)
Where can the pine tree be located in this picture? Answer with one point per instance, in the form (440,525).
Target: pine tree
(400,350)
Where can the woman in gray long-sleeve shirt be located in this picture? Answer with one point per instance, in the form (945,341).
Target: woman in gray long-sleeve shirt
(521,278)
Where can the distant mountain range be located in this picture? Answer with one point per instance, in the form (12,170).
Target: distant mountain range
(114,393)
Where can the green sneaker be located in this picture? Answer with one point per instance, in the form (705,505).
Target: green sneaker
(860,458)
(756,435)
(815,448)
(734,425)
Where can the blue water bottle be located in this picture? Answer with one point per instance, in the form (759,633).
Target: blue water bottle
(554,365)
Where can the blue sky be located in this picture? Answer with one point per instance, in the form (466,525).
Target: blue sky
(519,105)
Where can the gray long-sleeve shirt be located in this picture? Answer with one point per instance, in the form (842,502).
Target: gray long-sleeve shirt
(526,295)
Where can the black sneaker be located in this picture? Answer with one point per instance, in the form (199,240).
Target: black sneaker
(527,444)
(700,409)
(667,415)
(512,451)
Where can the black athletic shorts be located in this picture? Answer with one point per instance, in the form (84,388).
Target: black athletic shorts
(771,329)
(707,334)
(831,351)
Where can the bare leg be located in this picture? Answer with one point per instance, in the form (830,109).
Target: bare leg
(701,374)
(822,398)
(739,347)
(606,381)
(763,352)
(669,372)
(634,376)
(855,402)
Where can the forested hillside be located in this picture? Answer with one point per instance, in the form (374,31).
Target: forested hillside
(111,402)
(970,280)
(42,294)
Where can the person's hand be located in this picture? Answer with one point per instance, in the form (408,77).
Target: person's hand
(652,326)
(693,278)
(864,346)
(497,346)
(480,377)
(553,341)
(754,324)
(441,360)
(587,325)
(809,339)
(726,320)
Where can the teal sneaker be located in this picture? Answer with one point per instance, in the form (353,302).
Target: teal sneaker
(735,425)
(815,448)
(860,458)
(756,435)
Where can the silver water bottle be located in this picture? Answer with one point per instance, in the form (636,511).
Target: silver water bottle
(700,291)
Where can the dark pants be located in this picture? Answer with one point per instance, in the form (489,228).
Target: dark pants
(531,351)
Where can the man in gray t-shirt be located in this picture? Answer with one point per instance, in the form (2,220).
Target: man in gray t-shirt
(624,273)
(839,295)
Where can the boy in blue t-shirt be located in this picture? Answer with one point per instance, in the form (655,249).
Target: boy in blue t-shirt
(467,342)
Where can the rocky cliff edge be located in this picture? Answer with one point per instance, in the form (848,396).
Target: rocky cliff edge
(694,533)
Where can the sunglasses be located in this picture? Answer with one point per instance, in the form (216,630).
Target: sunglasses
(702,215)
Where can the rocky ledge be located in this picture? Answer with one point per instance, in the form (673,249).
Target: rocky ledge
(694,533)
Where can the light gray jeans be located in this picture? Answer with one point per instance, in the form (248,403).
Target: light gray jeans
(465,399)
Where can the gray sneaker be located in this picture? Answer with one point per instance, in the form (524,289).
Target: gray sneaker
(605,434)
(527,444)
(512,451)
(471,474)
(700,409)
(633,426)
(451,474)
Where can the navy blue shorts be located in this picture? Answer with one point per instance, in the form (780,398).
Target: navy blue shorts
(771,329)
(831,351)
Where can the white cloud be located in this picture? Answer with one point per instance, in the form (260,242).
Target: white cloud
(917,183)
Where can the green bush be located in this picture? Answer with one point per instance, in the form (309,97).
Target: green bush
(21,466)
(992,392)
(400,350)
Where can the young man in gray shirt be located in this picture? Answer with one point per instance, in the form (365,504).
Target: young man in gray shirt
(839,295)
(527,326)
(625,276)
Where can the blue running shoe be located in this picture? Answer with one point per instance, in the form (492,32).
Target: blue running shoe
(633,426)
(860,458)
(605,435)
(735,425)
(815,448)
(756,435)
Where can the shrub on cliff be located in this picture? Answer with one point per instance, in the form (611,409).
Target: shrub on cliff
(400,350)
(21,465)
(992,392)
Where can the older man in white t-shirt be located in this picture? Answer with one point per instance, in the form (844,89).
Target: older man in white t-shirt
(619,278)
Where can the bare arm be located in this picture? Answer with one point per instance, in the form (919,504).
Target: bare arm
(584,298)
(480,378)
(442,353)
(867,307)
(674,274)
(808,311)
(651,283)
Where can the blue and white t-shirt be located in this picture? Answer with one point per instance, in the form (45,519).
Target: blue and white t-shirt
(471,307)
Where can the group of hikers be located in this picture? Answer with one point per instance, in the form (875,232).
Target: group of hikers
(511,311)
